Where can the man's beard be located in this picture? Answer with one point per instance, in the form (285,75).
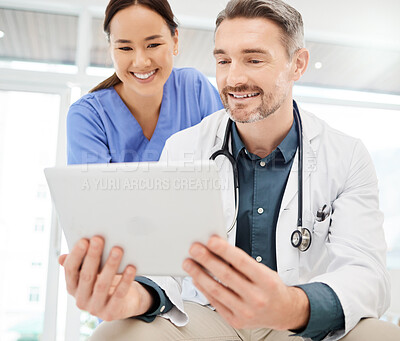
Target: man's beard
(269,104)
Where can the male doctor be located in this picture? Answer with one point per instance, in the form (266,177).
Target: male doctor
(259,285)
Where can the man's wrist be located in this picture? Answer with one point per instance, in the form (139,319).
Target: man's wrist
(326,313)
(161,303)
(299,309)
(146,301)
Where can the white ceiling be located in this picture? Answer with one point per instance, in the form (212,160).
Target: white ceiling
(357,41)
(361,22)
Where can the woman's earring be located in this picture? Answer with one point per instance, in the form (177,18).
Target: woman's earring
(175,52)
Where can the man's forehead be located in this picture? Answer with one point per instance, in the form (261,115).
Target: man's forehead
(243,35)
(256,25)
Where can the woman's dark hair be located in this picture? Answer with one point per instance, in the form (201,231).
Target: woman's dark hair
(161,7)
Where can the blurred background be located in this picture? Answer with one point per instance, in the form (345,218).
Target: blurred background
(54,51)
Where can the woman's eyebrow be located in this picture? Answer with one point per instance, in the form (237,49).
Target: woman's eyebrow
(127,41)
(155,36)
(122,41)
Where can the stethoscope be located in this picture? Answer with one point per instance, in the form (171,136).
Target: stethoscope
(301,237)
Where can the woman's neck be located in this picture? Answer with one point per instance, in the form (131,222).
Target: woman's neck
(146,110)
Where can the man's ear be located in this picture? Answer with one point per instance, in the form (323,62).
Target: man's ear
(300,63)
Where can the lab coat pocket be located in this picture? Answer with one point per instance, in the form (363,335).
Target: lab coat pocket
(320,234)
(321,228)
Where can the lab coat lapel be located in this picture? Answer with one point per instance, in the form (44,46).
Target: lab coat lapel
(287,255)
(292,184)
(310,147)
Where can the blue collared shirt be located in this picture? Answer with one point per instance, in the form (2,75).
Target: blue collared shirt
(262,182)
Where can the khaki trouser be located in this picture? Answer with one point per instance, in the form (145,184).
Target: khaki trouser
(206,324)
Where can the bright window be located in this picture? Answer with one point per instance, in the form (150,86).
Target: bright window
(28,140)
(34,294)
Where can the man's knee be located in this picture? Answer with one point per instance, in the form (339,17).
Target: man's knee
(373,330)
(131,329)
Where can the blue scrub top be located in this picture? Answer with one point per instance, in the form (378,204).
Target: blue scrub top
(101,129)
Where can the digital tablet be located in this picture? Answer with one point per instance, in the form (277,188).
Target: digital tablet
(154,211)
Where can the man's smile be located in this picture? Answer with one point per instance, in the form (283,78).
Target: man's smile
(243,96)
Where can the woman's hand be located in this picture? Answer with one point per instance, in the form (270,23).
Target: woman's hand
(106,295)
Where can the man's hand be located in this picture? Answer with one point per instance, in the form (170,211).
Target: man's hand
(106,295)
(246,294)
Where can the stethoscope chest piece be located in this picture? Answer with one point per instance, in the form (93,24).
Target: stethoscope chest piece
(301,239)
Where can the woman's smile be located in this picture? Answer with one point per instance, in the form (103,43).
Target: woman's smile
(145,77)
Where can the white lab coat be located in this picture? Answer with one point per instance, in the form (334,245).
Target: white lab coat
(347,251)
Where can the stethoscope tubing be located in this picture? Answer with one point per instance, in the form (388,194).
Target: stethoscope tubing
(301,237)
(300,171)
(224,151)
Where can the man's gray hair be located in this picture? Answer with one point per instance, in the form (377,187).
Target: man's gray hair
(285,16)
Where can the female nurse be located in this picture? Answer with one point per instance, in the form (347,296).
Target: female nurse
(128,117)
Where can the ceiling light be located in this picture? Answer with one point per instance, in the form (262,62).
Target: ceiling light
(1,34)
(318,65)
